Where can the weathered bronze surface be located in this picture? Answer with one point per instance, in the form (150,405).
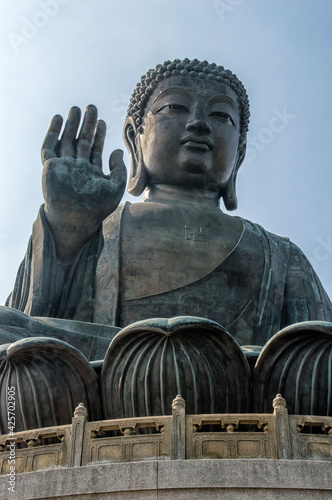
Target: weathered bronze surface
(297,362)
(45,378)
(91,339)
(150,361)
(176,253)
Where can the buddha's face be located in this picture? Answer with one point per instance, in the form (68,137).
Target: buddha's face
(191,132)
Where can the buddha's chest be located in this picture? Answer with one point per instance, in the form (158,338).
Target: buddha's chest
(163,247)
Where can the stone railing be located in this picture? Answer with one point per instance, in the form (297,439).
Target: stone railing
(169,437)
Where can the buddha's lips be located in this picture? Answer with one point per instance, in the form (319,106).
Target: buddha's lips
(197,142)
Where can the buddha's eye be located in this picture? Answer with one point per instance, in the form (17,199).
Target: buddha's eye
(173,107)
(177,107)
(222,116)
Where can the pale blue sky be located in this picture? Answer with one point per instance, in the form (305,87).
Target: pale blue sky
(57,53)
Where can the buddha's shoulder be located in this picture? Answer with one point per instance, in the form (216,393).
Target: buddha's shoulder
(276,244)
(260,232)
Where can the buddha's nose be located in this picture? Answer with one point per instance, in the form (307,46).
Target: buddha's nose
(198,122)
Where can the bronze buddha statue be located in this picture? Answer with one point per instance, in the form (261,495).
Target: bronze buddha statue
(174,254)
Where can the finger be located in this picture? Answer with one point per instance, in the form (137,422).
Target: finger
(49,146)
(118,171)
(98,143)
(68,137)
(84,142)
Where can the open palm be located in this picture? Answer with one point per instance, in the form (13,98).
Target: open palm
(78,195)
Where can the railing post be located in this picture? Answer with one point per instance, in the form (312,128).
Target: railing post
(178,429)
(282,427)
(77,435)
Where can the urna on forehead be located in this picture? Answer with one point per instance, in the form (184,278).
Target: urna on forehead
(200,70)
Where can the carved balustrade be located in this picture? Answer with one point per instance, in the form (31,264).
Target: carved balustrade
(170,437)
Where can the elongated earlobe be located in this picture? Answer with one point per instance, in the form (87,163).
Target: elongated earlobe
(229,191)
(137,177)
(229,194)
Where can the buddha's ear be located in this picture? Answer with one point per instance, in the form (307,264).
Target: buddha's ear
(229,192)
(137,177)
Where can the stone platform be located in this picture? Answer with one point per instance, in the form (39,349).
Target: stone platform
(181,479)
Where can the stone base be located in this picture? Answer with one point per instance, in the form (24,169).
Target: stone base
(181,479)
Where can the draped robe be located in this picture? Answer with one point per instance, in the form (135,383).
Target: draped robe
(264,284)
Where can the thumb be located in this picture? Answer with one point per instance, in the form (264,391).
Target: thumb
(118,171)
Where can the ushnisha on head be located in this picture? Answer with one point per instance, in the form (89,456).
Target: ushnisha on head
(174,74)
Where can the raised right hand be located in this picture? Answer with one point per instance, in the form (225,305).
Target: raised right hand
(78,195)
